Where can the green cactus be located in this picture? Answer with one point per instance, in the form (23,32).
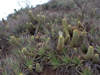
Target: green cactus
(70,29)
(48,41)
(32,38)
(95,58)
(66,38)
(74,38)
(79,23)
(30,69)
(7,28)
(25,52)
(4,21)
(64,23)
(20,74)
(32,16)
(14,17)
(14,40)
(30,26)
(39,68)
(10,42)
(53,32)
(83,33)
(38,16)
(89,54)
(43,18)
(60,42)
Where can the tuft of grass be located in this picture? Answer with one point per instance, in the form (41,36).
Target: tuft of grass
(86,71)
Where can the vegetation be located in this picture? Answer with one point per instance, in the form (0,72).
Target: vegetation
(59,37)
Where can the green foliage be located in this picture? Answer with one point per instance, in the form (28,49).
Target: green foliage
(28,62)
(66,60)
(77,61)
(55,62)
(41,52)
(87,71)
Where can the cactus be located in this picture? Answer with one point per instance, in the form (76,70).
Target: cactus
(20,74)
(39,68)
(3,20)
(74,38)
(53,32)
(14,17)
(75,49)
(40,13)
(64,23)
(32,37)
(43,17)
(32,26)
(70,29)
(7,28)
(14,40)
(66,38)
(79,23)
(28,26)
(32,16)
(48,41)
(30,69)
(60,42)
(83,33)
(25,52)
(89,54)
(95,58)
(10,42)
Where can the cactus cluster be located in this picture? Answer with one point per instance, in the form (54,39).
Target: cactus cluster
(30,26)
(90,55)
(14,41)
(71,31)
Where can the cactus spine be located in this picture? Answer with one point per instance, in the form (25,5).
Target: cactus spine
(60,42)
(74,38)
(38,68)
(95,58)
